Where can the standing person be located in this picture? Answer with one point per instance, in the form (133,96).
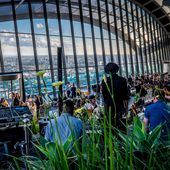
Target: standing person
(28,100)
(68,89)
(115,94)
(73,91)
(33,109)
(17,95)
(16,101)
(38,104)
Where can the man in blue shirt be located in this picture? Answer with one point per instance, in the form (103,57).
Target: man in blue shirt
(66,127)
(158,113)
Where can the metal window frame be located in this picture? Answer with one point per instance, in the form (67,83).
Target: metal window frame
(48,44)
(84,43)
(101,33)
(163,43)
(161,46)
(157,48)
(93,40)
(149,47)
(73,42)
(34,43)
(116,34)
(153,49)
(109,32)
(123,38)
(16,35)
(134,34)
(166,46)
(129,41)
(139,37)
(143,31)
(61,40)
(1,59)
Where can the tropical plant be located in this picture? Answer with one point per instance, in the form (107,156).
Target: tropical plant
(100,148)
(146,151)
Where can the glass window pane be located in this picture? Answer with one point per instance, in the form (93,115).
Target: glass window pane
(27,54)
(42,52)
(80,52)
(10,56)
(68,49)
(82,77)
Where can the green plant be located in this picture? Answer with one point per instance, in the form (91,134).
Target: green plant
(100,148)
(146,150)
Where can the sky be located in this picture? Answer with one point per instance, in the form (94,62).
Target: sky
(8,39)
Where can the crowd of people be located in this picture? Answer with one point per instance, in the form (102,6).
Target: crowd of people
(34,103)
(149,93)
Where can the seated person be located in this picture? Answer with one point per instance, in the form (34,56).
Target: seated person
(3,103)
(138,86)
(91,105)
(167,91)
(79,103)
(65,127)
(158,113)
(167,97)
(143,92)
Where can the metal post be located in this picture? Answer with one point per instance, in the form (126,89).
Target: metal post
(59,58)
(123,36)
(144,41)
(73,43)
(93,40)
(84,43)
(148,43)
(101,33)
(16,34)
(61,38)
(1,59)
(134,35)
(49,44)
(161,46)
(153,49)
(23,87)
(139,37)
(129,38)
(108,27)
(157,46)
(116,34)
(34,44)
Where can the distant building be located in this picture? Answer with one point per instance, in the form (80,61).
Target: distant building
(134,34)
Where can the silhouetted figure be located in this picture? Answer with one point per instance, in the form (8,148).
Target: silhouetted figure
(73,91)
(38,104)
(16,102)
(115,86)
(68,89)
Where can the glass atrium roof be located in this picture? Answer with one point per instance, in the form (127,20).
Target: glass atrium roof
(155,7)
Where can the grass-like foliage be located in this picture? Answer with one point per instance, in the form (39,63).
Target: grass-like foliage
(102,146)
(98,148)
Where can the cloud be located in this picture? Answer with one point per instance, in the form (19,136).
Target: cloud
(4,30)
(40,26)
(11,39)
